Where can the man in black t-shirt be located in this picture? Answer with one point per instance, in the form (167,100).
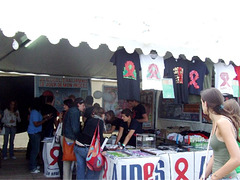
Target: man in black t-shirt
(49,109)
(139,111)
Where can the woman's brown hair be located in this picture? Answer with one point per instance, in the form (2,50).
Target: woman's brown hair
(99,111)
(111,114)
(232,106)
(15,105)
(127,112)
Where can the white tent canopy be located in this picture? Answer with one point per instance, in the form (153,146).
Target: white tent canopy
(194,28)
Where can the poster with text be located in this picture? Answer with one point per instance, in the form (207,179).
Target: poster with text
(62,88)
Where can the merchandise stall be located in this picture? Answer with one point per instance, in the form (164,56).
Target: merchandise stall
(182,77)
(189,77)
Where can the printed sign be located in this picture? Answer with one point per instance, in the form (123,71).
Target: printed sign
(59,82)
(168,91)
(235,86)
(133,168)
(62,88)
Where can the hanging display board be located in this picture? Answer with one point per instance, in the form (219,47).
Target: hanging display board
(62,88)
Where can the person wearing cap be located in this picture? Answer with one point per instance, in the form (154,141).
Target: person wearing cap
(72,130)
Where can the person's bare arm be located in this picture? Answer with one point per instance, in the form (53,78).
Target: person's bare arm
(227,134)
(39,123)
(128,137)
(208,168)
(111,130)
(120,132)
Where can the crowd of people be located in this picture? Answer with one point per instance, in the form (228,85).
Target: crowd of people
(80,117)
(78,121)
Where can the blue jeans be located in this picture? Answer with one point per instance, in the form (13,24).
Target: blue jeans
(82,171)
(9,131)
(35,148)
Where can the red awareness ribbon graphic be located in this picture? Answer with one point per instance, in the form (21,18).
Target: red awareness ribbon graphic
(180,75)
(153,71)
(105,168)
(225,77)
(130,67)
(55,158)
(179,172)
(194,76)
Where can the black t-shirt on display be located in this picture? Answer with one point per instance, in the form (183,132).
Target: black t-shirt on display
(128,67)
(177,69)
(134,125)
(197,72)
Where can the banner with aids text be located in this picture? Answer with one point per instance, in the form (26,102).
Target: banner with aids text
(138,168)
(172,166)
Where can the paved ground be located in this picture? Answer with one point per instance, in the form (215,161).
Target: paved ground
(18,169)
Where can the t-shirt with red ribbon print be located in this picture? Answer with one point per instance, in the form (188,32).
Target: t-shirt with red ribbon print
(128,67)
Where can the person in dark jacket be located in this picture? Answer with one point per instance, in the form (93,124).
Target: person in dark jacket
(67,104)
(72,130)
(83,142)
